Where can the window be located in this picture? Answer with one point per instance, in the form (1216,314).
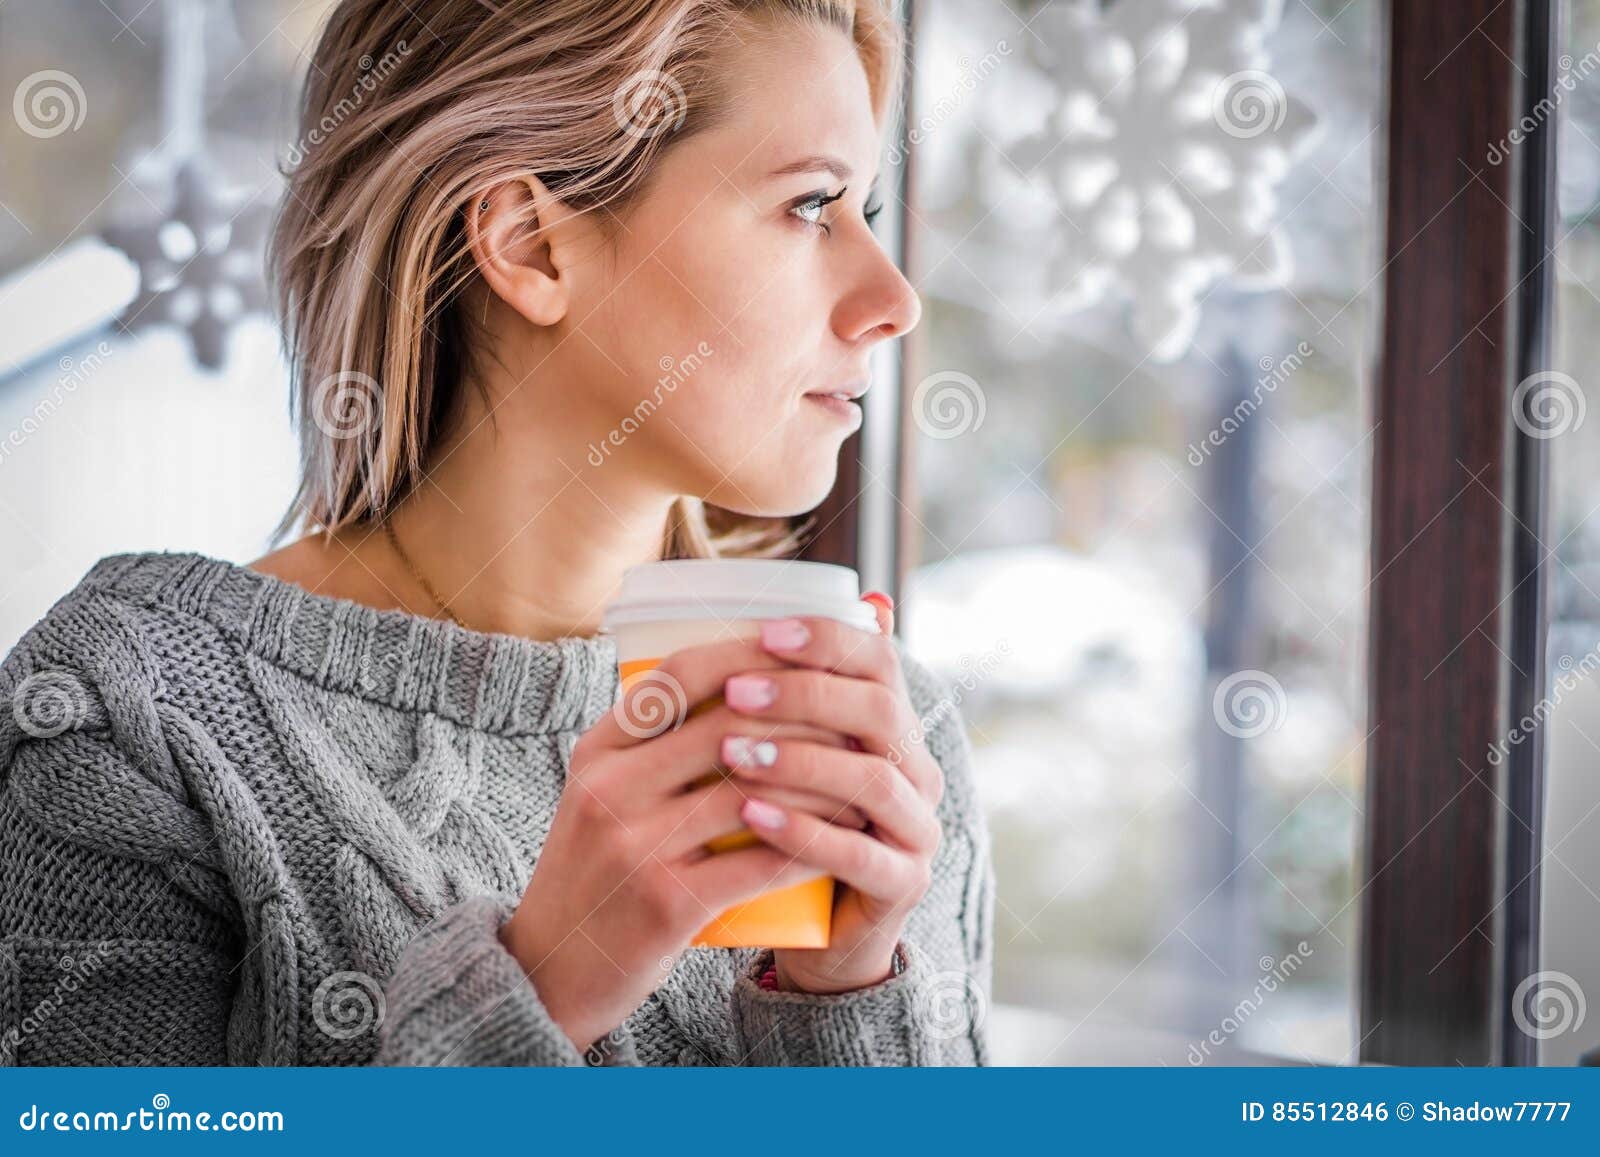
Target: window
(1140,536)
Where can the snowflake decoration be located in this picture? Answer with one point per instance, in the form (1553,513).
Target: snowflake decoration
(1164,147)
(199,265)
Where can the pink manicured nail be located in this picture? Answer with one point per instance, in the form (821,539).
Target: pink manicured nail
(742,751)
(784,634)
(749,691)
(762,814)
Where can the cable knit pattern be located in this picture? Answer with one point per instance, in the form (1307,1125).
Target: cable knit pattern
(241,823)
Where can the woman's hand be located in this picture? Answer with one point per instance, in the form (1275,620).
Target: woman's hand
(849,681)
(624,881)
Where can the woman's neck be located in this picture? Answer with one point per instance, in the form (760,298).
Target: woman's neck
(510,534)
(536,549)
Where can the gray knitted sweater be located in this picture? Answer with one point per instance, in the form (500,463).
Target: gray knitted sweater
(241,823)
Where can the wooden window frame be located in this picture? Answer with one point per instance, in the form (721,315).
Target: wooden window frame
(1458,619)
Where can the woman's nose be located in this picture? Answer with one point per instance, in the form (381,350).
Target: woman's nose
(883,306)
(907,310)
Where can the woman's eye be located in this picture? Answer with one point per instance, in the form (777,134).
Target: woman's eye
(810,209)
(805,209)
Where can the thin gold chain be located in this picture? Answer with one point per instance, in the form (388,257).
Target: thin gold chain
(417,574)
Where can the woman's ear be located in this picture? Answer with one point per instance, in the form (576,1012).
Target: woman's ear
(518,234)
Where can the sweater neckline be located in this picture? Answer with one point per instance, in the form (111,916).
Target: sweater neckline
(492,682)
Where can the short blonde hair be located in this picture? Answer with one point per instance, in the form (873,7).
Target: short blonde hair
(410,111)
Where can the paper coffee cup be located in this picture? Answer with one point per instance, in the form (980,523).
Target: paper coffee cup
(664,606)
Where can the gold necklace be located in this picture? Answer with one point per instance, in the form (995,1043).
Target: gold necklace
(417,574)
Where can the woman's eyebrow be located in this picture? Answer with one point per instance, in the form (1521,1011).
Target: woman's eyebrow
(815,162)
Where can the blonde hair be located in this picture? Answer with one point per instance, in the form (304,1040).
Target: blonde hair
(410,111)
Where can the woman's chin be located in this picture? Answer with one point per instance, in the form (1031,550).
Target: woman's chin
(759,502)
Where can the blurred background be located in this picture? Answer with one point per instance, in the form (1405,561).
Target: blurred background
(1146,237)
(1147,234)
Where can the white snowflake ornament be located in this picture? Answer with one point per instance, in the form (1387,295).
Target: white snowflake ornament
(200,264)
(1164,149)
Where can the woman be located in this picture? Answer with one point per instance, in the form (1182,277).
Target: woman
(562,285)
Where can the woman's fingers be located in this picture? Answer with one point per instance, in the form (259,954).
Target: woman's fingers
(699,741)
(730,878)
(872,712)
(884,606)
(882,721)
(867,782)
(661,699)
(829,645)
(689,822)
(676,759)
(857,859)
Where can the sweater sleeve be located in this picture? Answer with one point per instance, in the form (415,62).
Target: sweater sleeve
(458,997)
(119,934)
(933,1012)
(146,917)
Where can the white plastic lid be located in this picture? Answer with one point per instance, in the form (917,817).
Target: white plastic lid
(738,588)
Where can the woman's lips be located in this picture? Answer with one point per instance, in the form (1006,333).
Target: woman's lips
(842,408)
